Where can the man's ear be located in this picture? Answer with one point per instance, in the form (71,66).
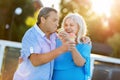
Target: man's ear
(42,19)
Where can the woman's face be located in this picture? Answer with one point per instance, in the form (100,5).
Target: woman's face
(71,26)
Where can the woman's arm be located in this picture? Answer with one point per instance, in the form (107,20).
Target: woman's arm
(77,57)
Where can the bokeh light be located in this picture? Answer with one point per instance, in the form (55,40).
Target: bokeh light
(102,7)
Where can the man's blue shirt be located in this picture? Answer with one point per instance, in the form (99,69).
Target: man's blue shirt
(35,42)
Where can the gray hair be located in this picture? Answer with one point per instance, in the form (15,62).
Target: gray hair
(81,23)
(44,12)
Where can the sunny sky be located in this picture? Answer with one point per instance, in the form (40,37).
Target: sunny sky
(102,6)
(49,3)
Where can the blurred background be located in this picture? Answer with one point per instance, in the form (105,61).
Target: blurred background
(102,18)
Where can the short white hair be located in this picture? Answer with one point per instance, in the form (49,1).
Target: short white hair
(81,24)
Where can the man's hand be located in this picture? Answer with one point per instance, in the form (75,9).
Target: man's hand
(86,40)
(68,46)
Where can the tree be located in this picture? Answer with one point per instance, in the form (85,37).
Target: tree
(96,29)
(114,42)
(10,22)
(83,8)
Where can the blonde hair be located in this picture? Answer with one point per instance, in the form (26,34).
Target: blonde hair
(81,23)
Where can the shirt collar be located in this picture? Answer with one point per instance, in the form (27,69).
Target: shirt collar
(39,30)
(42,33)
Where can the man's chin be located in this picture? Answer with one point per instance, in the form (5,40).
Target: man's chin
(53,31)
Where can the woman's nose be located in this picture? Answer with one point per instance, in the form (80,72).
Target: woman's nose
(68,27)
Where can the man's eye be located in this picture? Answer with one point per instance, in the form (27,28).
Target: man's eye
(71,25)
(65,25)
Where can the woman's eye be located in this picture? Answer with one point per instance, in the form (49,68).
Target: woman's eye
(71,25)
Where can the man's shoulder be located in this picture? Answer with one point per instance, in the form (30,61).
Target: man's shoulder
(29,33)
(31,30)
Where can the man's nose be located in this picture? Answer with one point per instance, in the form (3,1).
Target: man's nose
(57,24)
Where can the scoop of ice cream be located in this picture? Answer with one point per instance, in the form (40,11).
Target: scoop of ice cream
(61,32)
(72,36)
(63,35)
(66,36)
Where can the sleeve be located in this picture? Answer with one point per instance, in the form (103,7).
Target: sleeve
(85,52)
(29,46)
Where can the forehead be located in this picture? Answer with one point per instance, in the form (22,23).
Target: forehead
(53,14)
(69,20)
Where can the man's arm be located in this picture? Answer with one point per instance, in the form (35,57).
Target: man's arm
(39,59)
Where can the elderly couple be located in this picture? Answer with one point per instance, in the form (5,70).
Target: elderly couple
(50,55)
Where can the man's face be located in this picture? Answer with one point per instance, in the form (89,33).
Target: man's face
(51,22)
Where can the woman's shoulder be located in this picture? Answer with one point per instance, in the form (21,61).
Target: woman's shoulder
(86,41)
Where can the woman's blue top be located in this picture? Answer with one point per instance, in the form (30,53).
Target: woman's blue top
(66,69)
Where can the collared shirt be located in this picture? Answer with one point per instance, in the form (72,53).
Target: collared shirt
(35,42)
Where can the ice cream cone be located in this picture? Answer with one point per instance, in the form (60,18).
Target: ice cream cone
(72,37)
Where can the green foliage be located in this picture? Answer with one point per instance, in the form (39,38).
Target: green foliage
(18,32)
(31,20)
(114,42)
(72,6)
(93,22)
(9,17)
(96,29)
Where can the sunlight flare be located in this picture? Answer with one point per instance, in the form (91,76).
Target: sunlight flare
(102,7)
(51,3)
